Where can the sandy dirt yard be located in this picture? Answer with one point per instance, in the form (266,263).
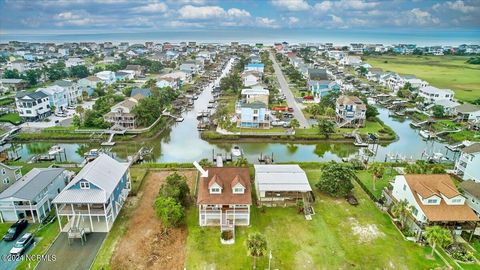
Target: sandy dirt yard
(144,246)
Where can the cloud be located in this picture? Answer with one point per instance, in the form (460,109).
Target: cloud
(266,22)
(416,17)
(292,5)
(460,6)
(205,12)
(237,13)
(292,20)
(336,20)
(151,8)
(323,6)
(185,2)
(356,4)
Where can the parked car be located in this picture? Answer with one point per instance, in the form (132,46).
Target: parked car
(15,230)
(22,245)
(278,123)
(290,109)
(60,114)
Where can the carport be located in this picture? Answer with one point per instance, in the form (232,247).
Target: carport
(74,256)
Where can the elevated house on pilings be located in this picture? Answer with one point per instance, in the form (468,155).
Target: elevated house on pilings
(93,199)
(433,200)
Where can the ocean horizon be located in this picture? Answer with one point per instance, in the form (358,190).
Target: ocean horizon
(266,36)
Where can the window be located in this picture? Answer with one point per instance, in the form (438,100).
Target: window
(238,190)
(6,181)
(214,190)
(432,201)
(84,185)
(3,171)
(457,200)
(414,211)
(404,187)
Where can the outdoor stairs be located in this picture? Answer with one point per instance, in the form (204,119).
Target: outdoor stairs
(307,205)
(344,123)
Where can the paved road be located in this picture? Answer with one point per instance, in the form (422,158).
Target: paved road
(297,111)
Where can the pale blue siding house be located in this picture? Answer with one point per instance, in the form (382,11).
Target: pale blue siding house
(93,199)
(30,197)
(255,66)
(253,115)
(321,88)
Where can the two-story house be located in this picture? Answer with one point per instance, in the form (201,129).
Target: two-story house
(224,197)
(106,76)
(30,197)
(57,97)
(74,93)
(74,61)
(467,165)
(255,67)
(8,175)
(432,94)
(250,78)
(32,106)
(121,114)
(433,200)
(95,196)
(253,115)
(350,112)
(471,191)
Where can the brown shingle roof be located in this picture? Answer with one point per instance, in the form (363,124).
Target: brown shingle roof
(439,184)
(225,177)
(351,100)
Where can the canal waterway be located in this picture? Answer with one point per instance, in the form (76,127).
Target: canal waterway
(182,143)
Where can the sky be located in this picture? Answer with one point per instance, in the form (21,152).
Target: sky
(117,16)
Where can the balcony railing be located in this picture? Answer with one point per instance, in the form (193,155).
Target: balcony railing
(83,210)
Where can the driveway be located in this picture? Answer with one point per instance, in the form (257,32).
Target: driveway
(74,256)
(6,263)
(297,110)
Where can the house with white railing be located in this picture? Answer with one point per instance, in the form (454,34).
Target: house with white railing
(350,111)
(466,167)
(30,196)
(224,197)
(92,200)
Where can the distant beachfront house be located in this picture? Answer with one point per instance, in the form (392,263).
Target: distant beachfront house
(137,69)
(255,67)
(145,92)
(74,61)
(30,197)
(94,198)
(250,78)
(350,60)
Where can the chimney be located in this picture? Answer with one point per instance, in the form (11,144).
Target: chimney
(203,173)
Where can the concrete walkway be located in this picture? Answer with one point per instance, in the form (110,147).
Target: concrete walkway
(297,111)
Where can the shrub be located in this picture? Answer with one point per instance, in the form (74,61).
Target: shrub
(227,235)
(459,252)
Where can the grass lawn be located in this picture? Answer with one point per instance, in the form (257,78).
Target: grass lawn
(4,228)
(326,242)
(441,71)
(13,118)
(367,179)
(137,175)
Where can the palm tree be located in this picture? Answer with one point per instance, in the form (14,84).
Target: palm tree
(437,235)
(294,123)
(401,210)
(377,170)
(80,110)
(241,162)
(256,246)
(329,112)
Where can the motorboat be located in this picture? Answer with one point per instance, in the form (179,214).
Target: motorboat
(236,151)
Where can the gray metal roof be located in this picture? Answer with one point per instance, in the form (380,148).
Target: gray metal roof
(281,178)
(104,172)
(28,187)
